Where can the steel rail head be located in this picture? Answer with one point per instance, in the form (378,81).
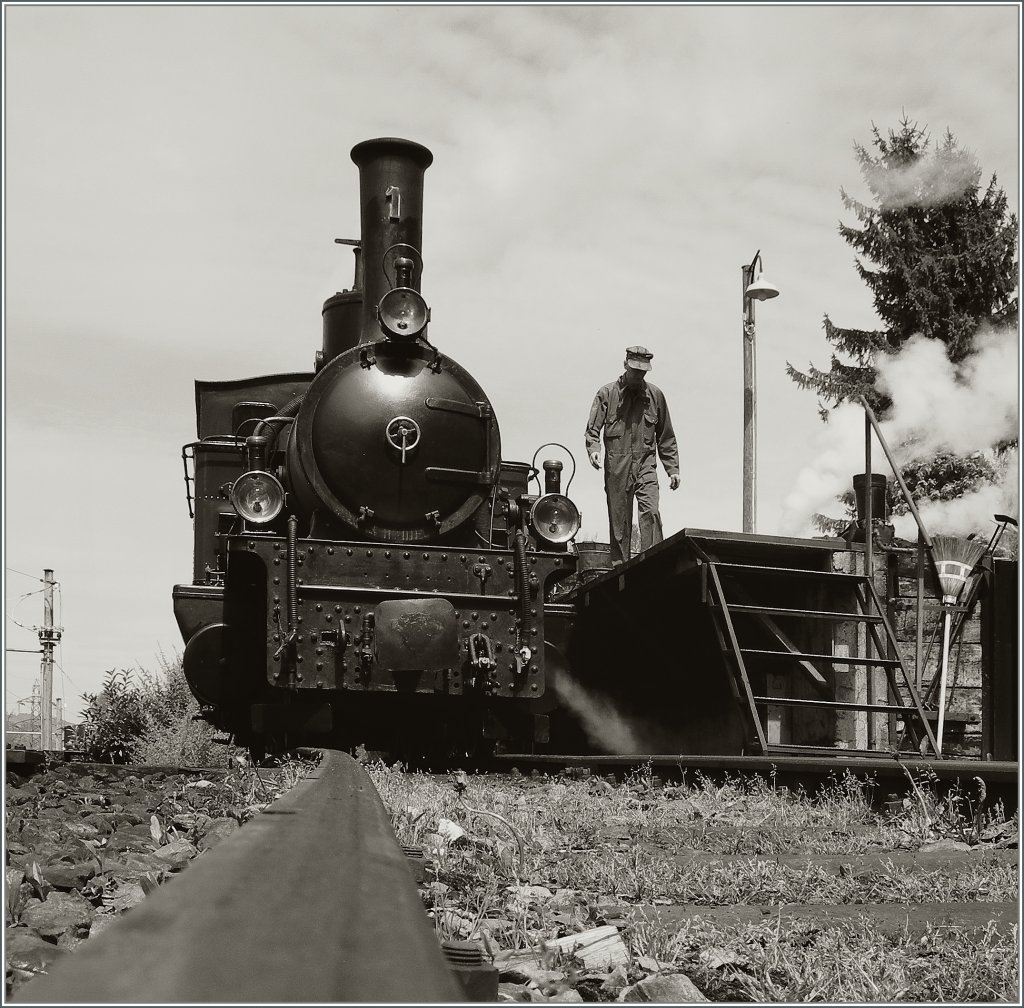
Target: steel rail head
(312,901)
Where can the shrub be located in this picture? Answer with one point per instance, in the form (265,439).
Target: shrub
(140,717)
(171,735)
(113,719)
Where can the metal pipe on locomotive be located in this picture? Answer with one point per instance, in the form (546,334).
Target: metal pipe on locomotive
(367,568)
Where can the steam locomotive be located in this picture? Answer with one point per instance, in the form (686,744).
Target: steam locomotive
(367,569)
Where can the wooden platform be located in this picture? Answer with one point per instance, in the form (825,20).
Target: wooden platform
(683,640)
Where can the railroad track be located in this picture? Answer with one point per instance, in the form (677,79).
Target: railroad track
(889,775)
(312,901)
(1001,776)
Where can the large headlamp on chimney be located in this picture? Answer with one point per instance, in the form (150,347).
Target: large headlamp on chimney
(402,313)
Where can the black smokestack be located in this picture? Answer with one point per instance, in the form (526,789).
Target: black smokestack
(879,499)
(390,213)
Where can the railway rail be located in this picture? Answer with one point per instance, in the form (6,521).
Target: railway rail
(312,901)
(1001,777)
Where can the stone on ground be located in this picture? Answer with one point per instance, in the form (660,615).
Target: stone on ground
(599,948)
(673,988)
(60,912)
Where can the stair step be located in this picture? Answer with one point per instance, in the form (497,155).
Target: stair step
(835,705)
(823,614)
(834,659)
(790,572)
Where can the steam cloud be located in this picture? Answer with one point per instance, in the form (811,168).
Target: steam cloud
(937,406)
(929,181)
(971,513)
(963,408)
(606,727)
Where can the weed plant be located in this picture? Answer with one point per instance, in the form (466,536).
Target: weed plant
(799,962)
(140,717)
(516,863)
(242,792)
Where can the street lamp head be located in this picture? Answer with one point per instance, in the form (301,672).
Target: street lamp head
(761,289)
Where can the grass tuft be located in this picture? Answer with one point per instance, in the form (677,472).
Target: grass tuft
(517,863)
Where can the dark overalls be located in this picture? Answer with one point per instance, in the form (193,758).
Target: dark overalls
(637,430)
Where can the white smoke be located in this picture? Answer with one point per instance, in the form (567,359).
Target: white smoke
(929,181)
(971,513)
(837,452)
(941,406)
(937,406)
(605,726)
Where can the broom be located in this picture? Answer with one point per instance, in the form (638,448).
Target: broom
(954,560)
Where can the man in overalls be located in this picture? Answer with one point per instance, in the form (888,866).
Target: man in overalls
(637,427)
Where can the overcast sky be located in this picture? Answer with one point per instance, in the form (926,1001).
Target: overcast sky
(175,177)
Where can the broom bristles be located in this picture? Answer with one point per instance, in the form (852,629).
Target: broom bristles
(966,551)
(954,559)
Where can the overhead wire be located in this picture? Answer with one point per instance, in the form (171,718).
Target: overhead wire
(23,574)
(66,677)
(35,591)
(21,598)
(59,613)
(60,643)
(22,625)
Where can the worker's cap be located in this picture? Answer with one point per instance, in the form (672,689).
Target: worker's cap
(638,357)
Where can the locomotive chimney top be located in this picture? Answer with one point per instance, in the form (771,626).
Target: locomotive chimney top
(369,150)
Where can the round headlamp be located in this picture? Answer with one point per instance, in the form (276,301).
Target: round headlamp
(555,518)
(403,313)
(257,496)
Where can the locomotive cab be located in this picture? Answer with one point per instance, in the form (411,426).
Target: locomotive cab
(368,569)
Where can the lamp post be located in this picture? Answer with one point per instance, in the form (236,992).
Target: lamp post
(753,290)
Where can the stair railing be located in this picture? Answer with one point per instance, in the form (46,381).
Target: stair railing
(871,423)
(924,540)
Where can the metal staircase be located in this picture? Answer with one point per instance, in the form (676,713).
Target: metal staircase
(747,600)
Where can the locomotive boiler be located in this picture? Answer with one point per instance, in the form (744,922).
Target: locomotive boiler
(367,568)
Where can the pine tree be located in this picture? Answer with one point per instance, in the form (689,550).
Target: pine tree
(940,255)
